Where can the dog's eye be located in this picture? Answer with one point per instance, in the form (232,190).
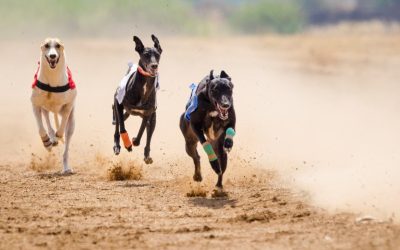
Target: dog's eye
(57,46)
(47,45)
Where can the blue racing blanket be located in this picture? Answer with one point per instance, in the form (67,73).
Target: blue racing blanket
(192,103)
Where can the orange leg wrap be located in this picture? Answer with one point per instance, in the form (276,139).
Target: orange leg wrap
(126,140)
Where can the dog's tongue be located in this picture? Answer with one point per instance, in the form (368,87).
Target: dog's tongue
(223,113)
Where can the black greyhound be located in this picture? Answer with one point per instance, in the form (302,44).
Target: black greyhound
(139,99)
(210,111)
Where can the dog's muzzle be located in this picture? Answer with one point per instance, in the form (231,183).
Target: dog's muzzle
(152,68)
(223,110)
(53,60)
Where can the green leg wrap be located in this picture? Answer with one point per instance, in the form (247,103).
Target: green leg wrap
(230,133)
(209,151)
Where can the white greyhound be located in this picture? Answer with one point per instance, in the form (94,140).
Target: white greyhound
(54,91)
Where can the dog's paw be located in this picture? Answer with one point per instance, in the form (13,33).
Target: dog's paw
(219,192)
(54,141)
(129,148)
(228,144)
(59,137)
(148,160)
(47,143)
(117,150)
(135,142)
(197,177)
(67,171)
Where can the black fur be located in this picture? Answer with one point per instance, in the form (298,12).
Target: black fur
(137,101)
(212,91)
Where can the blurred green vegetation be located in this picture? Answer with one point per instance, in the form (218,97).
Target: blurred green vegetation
(284,16)
(199,17)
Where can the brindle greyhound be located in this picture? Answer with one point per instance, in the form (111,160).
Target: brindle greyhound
(212,114)
(139,99)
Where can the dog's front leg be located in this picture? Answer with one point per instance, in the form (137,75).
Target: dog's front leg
(223,160)
(37,111)
(68,134)
(150,126)
(208,148)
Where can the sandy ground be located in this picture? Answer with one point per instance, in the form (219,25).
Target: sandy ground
(316,151)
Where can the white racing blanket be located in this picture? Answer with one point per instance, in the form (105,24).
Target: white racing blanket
(124,81)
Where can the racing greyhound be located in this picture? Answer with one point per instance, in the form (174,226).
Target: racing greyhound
(137,96)
(53,90)
(210,112)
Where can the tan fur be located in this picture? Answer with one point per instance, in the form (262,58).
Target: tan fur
(58,103)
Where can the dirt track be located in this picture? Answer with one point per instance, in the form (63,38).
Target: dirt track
(85,211)
(41,209)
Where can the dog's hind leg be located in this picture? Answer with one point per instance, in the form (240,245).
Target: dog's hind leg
(52,133)
(151,124)
(65,112)
(37,111)
(191,148)
(114,121)
(136,140)
(117,146)
(69,130)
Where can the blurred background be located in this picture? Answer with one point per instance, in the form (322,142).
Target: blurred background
(190,17)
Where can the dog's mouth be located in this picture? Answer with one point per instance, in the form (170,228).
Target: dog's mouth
(52,62)
(153,72)
(223,113)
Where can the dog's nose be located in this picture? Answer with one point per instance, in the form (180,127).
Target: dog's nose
(225,105)
(154,66)
(52,56)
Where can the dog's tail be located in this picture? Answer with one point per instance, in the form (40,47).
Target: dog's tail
(56,121)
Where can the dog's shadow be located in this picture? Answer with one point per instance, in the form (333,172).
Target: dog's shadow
(214,203)
(134,185)
(54,175)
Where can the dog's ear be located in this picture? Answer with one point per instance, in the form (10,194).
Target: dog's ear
(211,75)
(156,43)
(139,45)
(225,75)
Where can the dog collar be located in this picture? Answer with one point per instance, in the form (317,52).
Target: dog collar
(143,72)
(48,88)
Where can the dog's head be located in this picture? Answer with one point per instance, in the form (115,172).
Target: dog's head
(149,56)
(52,50)
(220,93)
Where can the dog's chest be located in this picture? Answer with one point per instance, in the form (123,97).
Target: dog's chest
(213,128)
(52,101)
(142,93)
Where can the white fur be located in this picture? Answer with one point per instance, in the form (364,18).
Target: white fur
(61,104)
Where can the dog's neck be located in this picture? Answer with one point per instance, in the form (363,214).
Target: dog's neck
(54,77)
